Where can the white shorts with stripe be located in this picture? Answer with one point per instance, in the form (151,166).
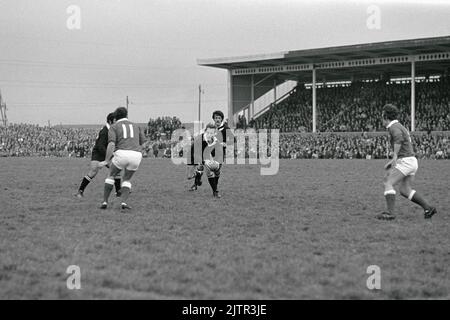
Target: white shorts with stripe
(408,165)
(127,159)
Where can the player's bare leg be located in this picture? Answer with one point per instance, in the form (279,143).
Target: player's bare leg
(109,184)
(126,188)
(198,173)
(392,178)
(408,192)
(93,170)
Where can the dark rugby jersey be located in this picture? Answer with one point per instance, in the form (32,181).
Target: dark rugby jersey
(400,135)
(102,141)
(126,135)
(222,136)
(222,132)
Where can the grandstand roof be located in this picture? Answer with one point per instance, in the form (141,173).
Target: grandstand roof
(345,53)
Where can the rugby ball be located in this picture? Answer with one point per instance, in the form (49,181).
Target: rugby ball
(212,165)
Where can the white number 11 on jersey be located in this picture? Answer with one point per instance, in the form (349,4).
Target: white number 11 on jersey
(124,129)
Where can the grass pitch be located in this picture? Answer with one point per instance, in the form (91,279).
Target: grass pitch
(308,232)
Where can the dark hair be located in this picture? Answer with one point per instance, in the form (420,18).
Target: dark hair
(110,118)
(219,113)
(121,113)
(390,112)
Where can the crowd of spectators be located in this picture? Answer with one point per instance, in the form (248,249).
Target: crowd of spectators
(32,140)
(359,146)
(25,140)
(241,122)
(342,111)
(162,127)
(22,140)
(356,107)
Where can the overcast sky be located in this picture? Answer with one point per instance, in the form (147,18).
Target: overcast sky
(148,49)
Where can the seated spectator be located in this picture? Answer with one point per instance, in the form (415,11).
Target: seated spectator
(358,107)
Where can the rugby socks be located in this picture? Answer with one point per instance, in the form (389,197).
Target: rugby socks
(126,188)
(213,183)
(216,182)
(84,183)
(417,198)
(109,184)
(390,200)
(125,194)
(117,183)
(198,178)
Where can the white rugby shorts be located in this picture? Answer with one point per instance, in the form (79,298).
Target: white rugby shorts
(408,165)
(127,159)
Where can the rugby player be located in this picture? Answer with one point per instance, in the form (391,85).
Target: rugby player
(98,155)
(204,155)
(124,153)
(221,134)
(222,129)
(402,167)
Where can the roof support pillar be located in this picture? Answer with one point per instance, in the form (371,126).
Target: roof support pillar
(252,97)
(314,111)
(413,95)
(231,115)
(274,90)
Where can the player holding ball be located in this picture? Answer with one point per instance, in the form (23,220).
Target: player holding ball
(207,154)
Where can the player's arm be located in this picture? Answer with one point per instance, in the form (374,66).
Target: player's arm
(398,139)
(397,147)
(110,151)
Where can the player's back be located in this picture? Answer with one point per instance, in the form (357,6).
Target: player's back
(102,139)
(400,135)
(126,135)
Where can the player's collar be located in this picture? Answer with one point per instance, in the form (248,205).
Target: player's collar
(107,126)
(123,119)
(391,123)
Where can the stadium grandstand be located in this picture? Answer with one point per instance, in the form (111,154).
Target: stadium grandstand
(325,102)
(341,88)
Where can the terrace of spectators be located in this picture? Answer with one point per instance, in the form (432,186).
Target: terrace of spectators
(394,68)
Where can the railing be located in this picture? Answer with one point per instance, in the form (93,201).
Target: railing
(263,103)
